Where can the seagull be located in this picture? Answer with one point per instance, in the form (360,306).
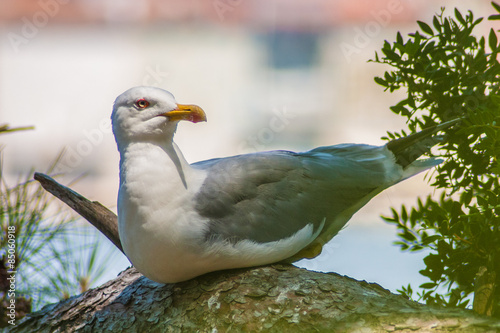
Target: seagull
(179,220)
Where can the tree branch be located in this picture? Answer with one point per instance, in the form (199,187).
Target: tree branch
(99,216)
(276,298)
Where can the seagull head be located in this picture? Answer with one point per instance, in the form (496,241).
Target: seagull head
(149,113)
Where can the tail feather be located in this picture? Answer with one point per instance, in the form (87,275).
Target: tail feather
(419,166)
(409,148)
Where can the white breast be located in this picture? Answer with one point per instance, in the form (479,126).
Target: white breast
(158,226)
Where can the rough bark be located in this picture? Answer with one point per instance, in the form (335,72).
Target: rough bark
(275,298)
(99,216)
(272,298)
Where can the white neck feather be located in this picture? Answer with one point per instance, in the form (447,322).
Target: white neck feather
(140,159)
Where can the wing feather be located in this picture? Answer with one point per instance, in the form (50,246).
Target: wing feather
(269,196)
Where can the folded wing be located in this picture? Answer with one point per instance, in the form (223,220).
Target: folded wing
(269,196)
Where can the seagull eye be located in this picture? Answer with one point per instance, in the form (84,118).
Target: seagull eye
(141,103)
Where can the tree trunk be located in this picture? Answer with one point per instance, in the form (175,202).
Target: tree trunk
(273,298)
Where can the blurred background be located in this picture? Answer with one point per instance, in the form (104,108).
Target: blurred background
(269,74)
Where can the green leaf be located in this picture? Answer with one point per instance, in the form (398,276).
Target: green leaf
(428,285)
(400,110)
(447,28)
(496,6)
(494,17)
(408,236)
(466,197)
(430,239)
(492,40)
(390,54)
(425,28)
(432,260)
(404,213)
(399,38)
(380,81)
(436,23)
(459,17)
(482,201)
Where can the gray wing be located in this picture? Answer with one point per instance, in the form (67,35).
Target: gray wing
(269,196)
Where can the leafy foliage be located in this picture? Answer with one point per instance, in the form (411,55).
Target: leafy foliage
(448,73)
(48,254)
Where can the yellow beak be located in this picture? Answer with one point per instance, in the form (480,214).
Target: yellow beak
(188,112)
